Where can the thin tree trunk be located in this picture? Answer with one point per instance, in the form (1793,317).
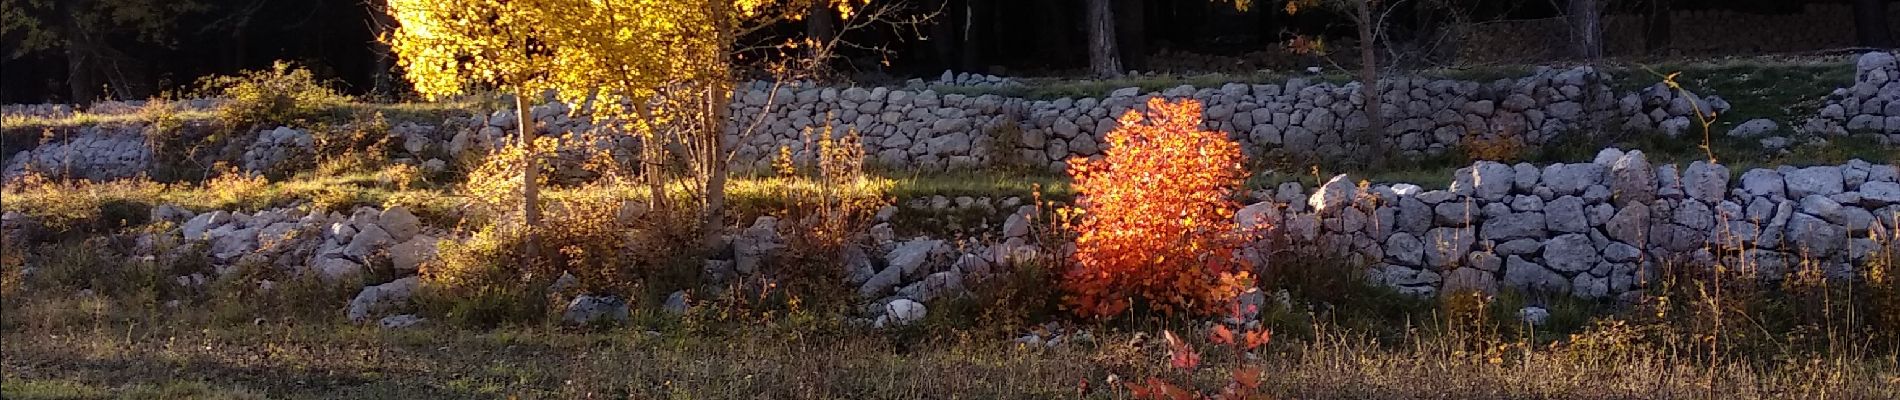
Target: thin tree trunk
(713,148)
(383,62)
(1374,135)
(1870,23)
(717,160)
(530,189)
(821,25)
(1054,35)
(1104,57)
(1656,30)
(943,34)
(81,81)
(1131,28)
(652,163)
(79,77)
(1586,29)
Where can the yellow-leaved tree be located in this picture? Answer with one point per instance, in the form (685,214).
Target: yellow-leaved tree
(664,70)
(448,46)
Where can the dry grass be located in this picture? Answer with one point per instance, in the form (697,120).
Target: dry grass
(50,359)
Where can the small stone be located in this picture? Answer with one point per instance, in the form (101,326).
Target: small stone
(676,303)
(588,309)
(381,298)
(902,312)
(1533,315)
(1754,127)
(1471,280)
(400,321)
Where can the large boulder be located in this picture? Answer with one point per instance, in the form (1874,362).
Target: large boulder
(882,282)
(1337,193)
(1572,179)
(901,312)
(1486,180)
(336,269)
(911,258)
(1705,181)
(1526,275)
(1260,215)
(399,223)
(1445,247)
(197,226)
(1404,249)
(587,309)
(1764,183)
(1566,214)
(381,298)
(1879,194)
(369,239)
(1754,127)
(1471,280)
(1822,180)
(1633,179)
(1571,253)
(1514,226)
(1816,236)
(756,245)
(1629,225)
(409,256)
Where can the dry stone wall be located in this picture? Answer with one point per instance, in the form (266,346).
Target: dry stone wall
(928,131)
(920,129)
(1594,230)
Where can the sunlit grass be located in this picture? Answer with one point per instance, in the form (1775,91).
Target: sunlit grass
(420,112)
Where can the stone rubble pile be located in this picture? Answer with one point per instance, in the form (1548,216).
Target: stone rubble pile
(331,246)
(1659,108)
(97,152)
(963,79)
(1053,335)
(274,146)
(1871,105)
(894,275)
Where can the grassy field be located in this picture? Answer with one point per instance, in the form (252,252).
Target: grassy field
(71,348)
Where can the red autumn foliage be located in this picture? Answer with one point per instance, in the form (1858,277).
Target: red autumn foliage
(1157,218)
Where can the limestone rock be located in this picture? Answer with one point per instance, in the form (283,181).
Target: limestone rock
(1571,253)
(1705,181)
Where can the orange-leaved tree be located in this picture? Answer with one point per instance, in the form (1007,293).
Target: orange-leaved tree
(1157,225)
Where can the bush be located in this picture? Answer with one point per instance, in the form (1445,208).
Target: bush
(501,271)
(284,94)
(1157,223)
(361,145)
(824,221)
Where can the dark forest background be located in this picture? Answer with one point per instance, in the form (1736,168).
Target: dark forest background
(84,50)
